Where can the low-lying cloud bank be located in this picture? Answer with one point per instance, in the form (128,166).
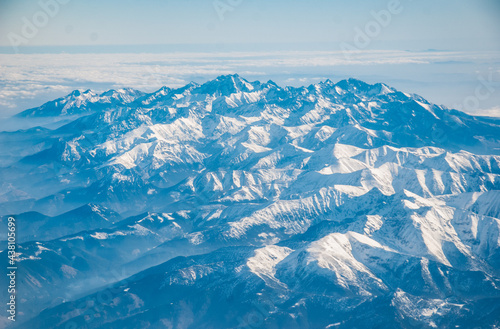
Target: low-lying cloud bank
(449,78)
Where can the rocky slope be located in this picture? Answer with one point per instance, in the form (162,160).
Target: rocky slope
(252,205)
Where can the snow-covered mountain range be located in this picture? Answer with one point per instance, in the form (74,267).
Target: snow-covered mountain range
(237,204)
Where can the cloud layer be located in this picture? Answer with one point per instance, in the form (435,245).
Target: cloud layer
(447,78)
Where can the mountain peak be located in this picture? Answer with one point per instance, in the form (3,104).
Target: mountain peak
(225,85)
(360,87)
(74,93)
(78,93)
(353,84)
(315,196)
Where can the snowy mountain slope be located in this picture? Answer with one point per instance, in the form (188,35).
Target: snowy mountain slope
(337,202)
(163,145)
(62,268)
(312,287)
(78,102)
(36,226)
(16,145)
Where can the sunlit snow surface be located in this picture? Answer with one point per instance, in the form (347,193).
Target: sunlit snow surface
(332,205)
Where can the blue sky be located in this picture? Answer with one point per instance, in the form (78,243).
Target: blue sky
(423,24)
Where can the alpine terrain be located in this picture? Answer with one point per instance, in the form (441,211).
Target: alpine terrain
(237,204)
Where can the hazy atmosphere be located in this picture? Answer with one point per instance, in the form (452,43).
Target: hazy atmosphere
(442,50)
(249,164)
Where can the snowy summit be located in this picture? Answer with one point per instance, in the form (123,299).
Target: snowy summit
(336,205)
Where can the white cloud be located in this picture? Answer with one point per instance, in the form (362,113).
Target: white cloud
(30,79)
(491,112)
